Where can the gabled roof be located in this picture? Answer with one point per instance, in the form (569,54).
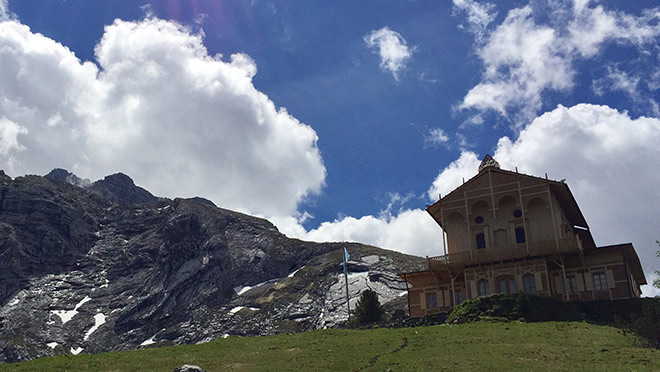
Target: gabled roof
(559,189)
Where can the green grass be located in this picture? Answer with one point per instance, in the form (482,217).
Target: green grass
(481,346)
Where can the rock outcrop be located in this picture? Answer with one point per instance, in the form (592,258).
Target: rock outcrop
(91,267)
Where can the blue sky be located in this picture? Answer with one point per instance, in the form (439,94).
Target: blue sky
(341,120)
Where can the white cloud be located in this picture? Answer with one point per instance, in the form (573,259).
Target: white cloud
(410,231)
(629,84)
(479,16)
(617,80)
(436,136)
(460,170)
(521,59)
(528,54)
(392,49)
(610,162)
(4,10)
(158,107)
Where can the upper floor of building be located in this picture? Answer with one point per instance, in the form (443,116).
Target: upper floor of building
(500,215)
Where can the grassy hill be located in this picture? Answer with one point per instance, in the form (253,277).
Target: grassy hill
(481,346)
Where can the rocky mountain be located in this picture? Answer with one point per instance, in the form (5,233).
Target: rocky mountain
(90,267)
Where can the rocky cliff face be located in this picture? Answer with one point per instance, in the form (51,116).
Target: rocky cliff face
(91,267)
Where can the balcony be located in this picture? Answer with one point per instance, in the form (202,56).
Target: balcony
(512,252)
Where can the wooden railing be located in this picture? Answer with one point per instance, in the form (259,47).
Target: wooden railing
(494,254)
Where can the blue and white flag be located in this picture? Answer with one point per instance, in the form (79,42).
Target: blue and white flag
(346,255)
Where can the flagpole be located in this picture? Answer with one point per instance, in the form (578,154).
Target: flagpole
(348,305)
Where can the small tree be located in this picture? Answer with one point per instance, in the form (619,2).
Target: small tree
(368,308)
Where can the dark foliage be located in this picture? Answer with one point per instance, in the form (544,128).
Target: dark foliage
(640,316)
(368,308)
(517,307)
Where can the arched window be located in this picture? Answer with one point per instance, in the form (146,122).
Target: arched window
(481,240)
(520,235)
(529,283)
(483,288)
(506,285)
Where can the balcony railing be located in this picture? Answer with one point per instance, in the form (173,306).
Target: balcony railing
(517,251)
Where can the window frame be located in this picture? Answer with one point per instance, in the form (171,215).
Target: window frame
(458,297)
(571,285)
(600,284)
(480,237)
(431,300)
(509,285)
(529,284)
(483,288)
(520,237)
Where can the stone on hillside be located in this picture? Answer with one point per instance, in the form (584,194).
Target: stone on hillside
(188,368)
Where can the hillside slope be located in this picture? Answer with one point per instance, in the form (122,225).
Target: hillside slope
(83,270)
(466,347)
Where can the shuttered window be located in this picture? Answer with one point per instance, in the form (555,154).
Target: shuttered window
(600,281)
(432,301)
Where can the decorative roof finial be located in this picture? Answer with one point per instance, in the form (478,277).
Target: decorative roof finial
(488,162)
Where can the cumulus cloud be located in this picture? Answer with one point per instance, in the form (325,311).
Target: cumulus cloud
(458,171)
(610,162)
(528,54)
(392,48)
(158,107)
(410,231)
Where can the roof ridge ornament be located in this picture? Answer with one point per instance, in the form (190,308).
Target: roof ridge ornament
(488,162)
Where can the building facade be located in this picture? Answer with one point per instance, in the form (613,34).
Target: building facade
(508,232)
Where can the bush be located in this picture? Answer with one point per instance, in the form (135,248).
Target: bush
(513,307)
(368,308)
(640,316)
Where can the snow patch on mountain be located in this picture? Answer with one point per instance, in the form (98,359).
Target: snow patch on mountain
(67,315)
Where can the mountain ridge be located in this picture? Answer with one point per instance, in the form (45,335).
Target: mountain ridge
(88,271)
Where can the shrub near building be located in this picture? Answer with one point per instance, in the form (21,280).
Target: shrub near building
(638,315)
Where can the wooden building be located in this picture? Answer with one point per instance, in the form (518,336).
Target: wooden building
(508,232)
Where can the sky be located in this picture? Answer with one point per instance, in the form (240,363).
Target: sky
(342,120)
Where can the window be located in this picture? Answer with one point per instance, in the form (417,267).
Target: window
(458,297)
(507,286)
(481,240)
(483,288)
(520,235)
(571,285)
(529,284)
(600,282)
(431,301)
(479,220)
(517,213)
